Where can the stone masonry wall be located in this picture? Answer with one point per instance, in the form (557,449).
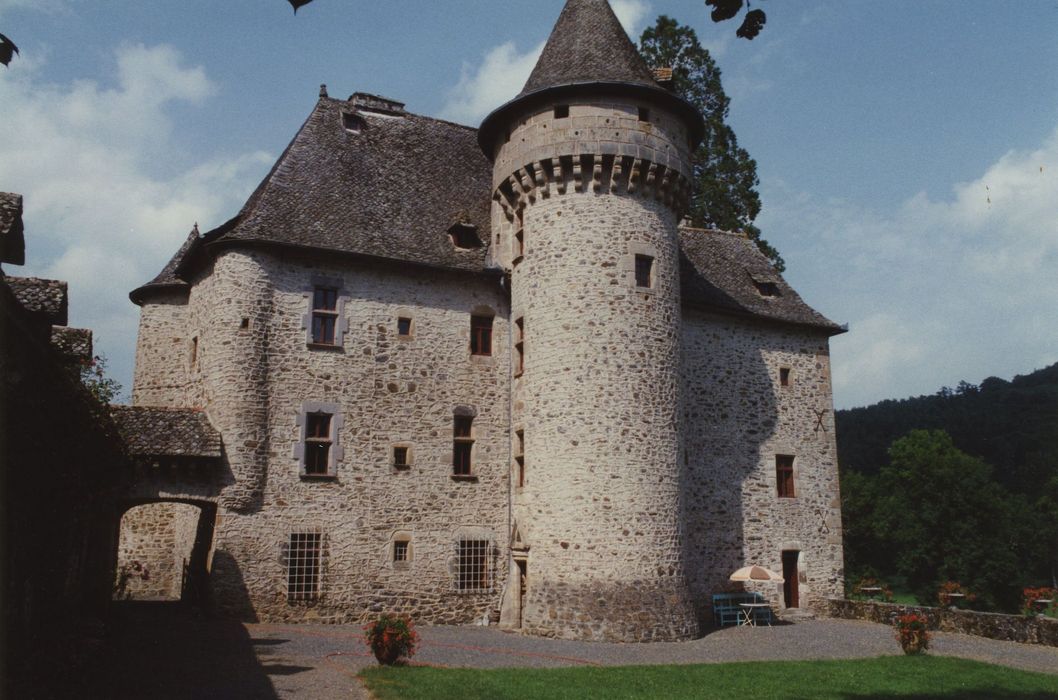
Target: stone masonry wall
(387,390)
(737,418)
(159,536)
(163,352)
(599,397)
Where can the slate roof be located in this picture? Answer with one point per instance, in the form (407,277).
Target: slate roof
(720,270)
(388,187)
(73,343)
(166,432)
(587,52)
(12,237)
(39,296)
(167,278)
(588,45)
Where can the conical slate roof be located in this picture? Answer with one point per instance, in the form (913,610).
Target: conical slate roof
(588,45)
(167,278)
(588,53)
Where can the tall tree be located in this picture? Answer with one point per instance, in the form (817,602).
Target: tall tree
(725,177)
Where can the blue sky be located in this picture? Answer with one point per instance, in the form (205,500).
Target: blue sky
(907,151)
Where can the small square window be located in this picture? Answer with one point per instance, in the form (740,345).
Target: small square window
(784,475)
(784,376)
(464,236)
(644,271)
(353,123)
(767,289)
(644,114)
(400,457)
(244,324)
(561,111)
(403,326)
(400,551)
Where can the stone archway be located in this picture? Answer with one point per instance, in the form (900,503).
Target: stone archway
(163,549)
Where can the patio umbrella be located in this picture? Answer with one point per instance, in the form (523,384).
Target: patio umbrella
(756,573)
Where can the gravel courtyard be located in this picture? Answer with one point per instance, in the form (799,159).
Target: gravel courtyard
(169,653)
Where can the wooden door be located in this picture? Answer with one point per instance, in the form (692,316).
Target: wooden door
(789,572)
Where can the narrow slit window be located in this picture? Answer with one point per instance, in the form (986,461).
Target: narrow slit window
(403,326)
(784,475)
(784,376)
(519,457)
(644,271)
(519,246)
(462,445)
(481,335)
(324,315)
(194,352)
(317,443)
(304,566)
(519,346)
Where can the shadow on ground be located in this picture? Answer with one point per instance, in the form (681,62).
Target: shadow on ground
(169,650)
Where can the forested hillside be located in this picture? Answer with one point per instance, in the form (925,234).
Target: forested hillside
(961,485)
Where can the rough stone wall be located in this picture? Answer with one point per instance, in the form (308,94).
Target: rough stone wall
(159,536)
(599,397)
(388,390)
(737,418)
(163,352)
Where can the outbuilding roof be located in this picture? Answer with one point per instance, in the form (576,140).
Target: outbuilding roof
(166,432)
(12,237)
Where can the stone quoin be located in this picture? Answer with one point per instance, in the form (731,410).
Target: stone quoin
(485,375)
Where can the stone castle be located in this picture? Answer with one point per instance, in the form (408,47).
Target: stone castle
(484,374)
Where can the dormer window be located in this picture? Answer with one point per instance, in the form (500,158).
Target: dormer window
(464,236)
(767,289)
(644,114)
(352,122)
(561,111)
(766,281)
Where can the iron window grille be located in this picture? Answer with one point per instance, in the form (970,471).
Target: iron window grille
(481,335)
(324,315)
(400,551)
(305,562)
(462,445)
(784,475)
(475,566)
(317,443)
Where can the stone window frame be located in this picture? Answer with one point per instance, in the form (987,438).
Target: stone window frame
(405,537)
(518,450)
(193,353)
(626,264)
(481,335)
(519,346)
(336,452)
(293,564)
(341,323)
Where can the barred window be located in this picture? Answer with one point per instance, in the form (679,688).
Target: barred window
(304,566)
(475,565)
(400,551)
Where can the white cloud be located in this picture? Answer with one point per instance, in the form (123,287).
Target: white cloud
(936,291)
(500,77)
(82,155)
(631,14)
(504,70)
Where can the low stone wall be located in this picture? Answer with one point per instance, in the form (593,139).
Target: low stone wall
(1012,628)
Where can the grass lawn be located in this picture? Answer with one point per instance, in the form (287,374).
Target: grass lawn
(888,677)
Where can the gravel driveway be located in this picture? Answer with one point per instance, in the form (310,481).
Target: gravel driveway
(170,655)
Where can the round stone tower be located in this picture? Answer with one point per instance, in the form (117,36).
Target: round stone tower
(591,168)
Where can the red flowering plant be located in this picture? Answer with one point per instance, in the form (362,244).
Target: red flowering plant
(875,589)
(1040,601)
(912,631)
(391,638)
(952,594)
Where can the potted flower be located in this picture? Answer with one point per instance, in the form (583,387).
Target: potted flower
(952,594)
(391,638)
(869,588)
(912,631)
(1040,601)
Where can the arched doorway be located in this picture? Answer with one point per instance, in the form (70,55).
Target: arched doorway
(163,550)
